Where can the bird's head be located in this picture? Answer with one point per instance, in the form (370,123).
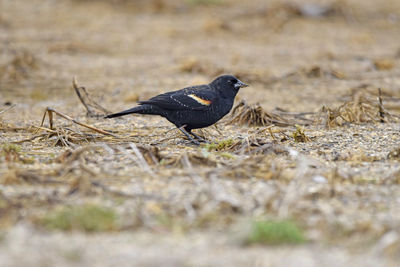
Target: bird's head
(228,84)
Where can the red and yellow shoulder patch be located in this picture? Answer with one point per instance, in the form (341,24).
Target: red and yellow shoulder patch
(200,100)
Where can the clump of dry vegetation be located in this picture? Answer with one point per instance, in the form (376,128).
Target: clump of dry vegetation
(255,115)
(299,135)
(360,109)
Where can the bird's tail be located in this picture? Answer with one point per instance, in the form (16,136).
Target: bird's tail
(144,109)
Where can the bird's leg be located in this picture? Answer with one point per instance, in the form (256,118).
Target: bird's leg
(183,130)
(201,139)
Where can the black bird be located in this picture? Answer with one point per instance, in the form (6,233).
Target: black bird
(192,107)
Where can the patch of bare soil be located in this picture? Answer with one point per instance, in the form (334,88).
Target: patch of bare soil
(305,170)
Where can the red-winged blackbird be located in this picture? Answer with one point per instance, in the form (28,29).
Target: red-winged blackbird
(192,107)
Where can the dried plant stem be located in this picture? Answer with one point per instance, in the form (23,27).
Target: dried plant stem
(381,109)
(50,112)
(87,102)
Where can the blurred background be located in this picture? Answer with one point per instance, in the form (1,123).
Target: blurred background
(132,49)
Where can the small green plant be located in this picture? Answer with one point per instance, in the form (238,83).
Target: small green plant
(227,155)
(275,233)
(221,145)
(299,135)
(89,218)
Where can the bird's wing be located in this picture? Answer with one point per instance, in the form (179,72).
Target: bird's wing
(191,98)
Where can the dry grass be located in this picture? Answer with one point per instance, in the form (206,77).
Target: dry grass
(360,109)
(255,115)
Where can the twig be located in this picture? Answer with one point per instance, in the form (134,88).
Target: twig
(381,109)
(87,102)
(29,139)
(270,131)
(50,111)
(44,129)
(217,129)
(60,138)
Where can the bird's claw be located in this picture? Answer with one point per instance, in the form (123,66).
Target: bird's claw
(205,141)
(195,142)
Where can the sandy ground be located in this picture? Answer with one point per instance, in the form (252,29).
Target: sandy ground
(183,205)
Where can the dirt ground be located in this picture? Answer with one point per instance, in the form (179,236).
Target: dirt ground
(312,145)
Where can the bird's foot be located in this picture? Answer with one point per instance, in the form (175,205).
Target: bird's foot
(205,141)
(200,139)
(194,141)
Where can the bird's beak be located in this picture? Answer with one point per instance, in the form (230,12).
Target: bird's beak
(239,84)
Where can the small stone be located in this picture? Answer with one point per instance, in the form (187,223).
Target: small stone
(319,179)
